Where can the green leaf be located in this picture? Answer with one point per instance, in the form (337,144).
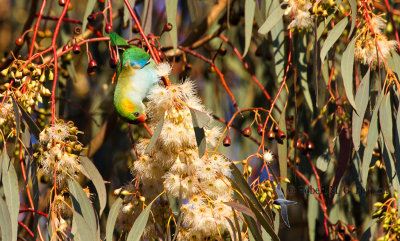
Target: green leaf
(322,26)
(394,63)
(251,200)
(31,124)
(112,218)
(147,16)
(97,179)
(302,69)
(238,227)
(347,65)
(83,229)
(155,136)
(252,225)
(242,208)
(323,160)
(140,223)
(271,21)
(249,9)
(199,121)
(5,222)
(312,212)
(89,8)
(353,5)
(10,187)
(386,122)
(332,37)
(371,141)
(362,97)
(127,14)
(171,9)
(234,238)
(202,118)
(82,205)
(117,40)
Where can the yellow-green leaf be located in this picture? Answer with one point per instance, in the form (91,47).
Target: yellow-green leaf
(249,9)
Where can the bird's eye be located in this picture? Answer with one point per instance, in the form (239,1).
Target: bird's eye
(136,114)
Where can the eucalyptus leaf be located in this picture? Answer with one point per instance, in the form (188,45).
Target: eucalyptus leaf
(5,222)
(353,5)
(31,124)
(10,187)
(97,179)
(126,11)
(112,218)
(155,136)
(147,16)
(394,63)
(271,21)
(249,10)
(322,26)
(234,238)
(241,208)
(202,119)
(312,212)
(252,225)
(83,229)
(199,121)
(386,122)
(171,9)
(362,97)
(372,138)
(332,37)
(89,8)
(323,160)
(251,200)
(140,223)
(347,65)
(82,205)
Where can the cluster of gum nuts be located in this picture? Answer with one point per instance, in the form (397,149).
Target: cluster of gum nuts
(387,214)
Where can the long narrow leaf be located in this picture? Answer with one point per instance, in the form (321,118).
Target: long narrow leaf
(171,9)
(88,10)
(112,217)
(97,179)
(333,36)
(5,222)
(10,186)
(386,122)
(372,138)
(347,65)
(362,97)
(271,21)
(138,227)
(82,205)
(249,9)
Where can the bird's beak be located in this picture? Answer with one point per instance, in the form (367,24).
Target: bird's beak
(140,119)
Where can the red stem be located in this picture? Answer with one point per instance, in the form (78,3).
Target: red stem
(53,46)
(26,228)
(36,28)
(221,76)
(32,210)
(136,20)
(246,66)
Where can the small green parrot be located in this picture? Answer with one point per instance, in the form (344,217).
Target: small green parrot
(136,77)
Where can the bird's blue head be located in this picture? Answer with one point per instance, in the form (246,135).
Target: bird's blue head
(135,57)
